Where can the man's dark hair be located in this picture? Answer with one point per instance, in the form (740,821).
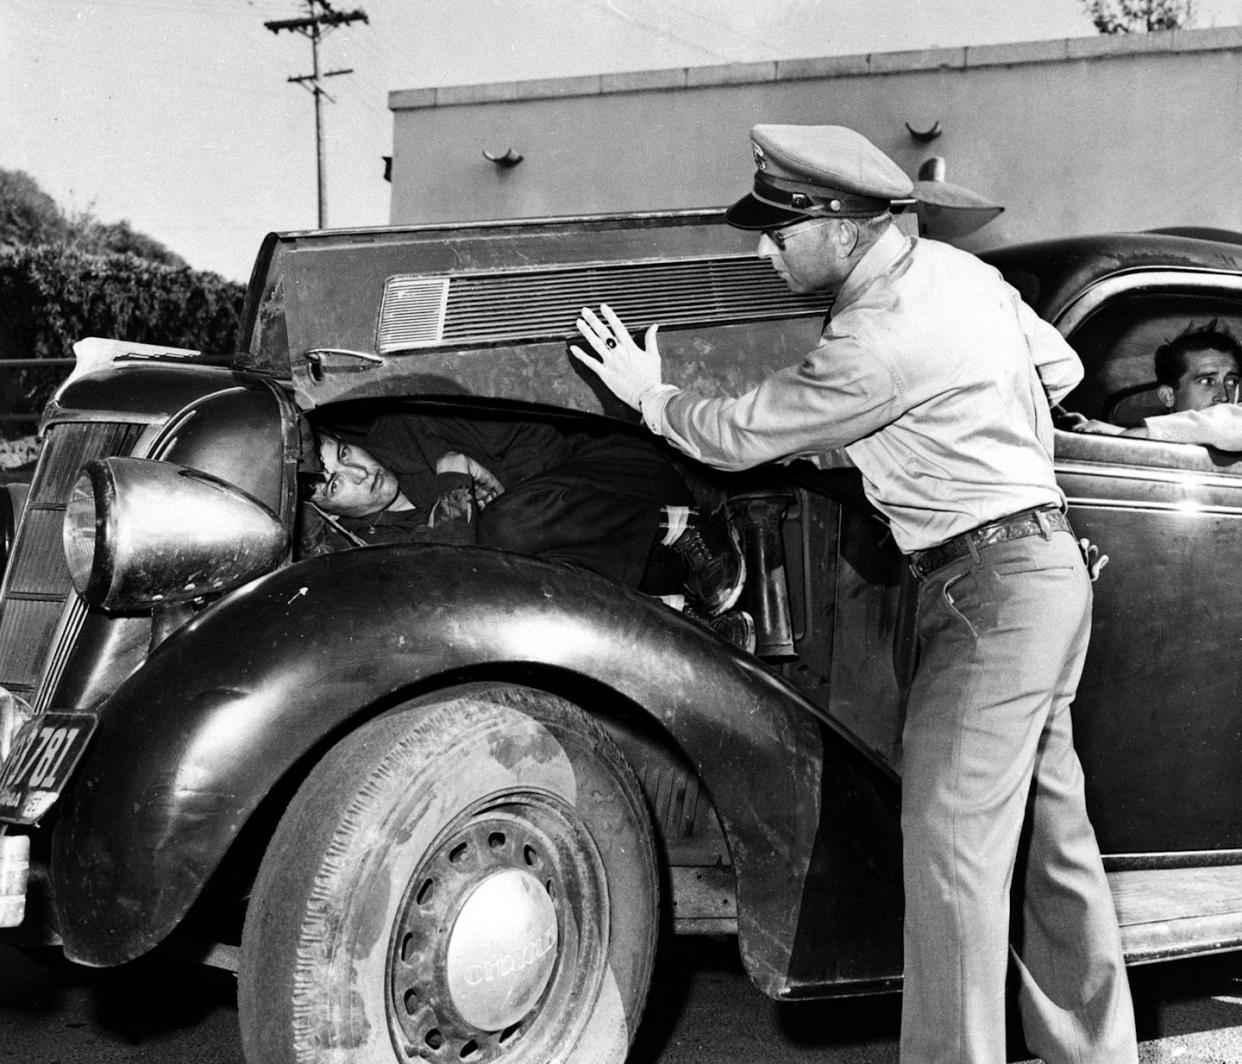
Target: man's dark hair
(1213,336)
(311,475)
(309,483)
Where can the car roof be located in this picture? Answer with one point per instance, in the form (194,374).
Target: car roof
(1049,274)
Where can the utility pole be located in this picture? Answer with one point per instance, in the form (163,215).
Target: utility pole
(320,18)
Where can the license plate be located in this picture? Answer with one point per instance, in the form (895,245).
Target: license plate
(43,756)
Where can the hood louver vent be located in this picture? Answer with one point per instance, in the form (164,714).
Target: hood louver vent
(412,313)
(543,304)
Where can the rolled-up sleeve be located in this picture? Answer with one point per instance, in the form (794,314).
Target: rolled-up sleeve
(1216,426)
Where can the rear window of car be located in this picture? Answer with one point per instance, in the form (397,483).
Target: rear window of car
(1118,344)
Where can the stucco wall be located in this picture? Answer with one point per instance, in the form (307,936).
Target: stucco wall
(1072,136)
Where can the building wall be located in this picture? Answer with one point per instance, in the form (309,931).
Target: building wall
(1071,136)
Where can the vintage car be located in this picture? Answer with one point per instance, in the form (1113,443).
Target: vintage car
(440,802)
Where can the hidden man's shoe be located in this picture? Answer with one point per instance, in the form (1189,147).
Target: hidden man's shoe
(736,626)
(715,568)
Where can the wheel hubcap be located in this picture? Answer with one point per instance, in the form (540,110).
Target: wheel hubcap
(497,939)
(501,950)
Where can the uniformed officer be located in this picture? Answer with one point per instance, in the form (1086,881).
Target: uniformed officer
(936,378)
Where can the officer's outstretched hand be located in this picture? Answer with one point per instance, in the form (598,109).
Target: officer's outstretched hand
(628,370)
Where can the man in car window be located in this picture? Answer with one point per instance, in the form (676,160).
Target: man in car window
(609,502)
(1198,375)
(935,378)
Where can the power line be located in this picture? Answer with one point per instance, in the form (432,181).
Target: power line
(320,18)
(218,8)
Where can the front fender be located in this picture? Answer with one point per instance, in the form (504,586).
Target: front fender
(192,742)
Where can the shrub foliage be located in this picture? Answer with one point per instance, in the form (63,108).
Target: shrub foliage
(52,296)
(1140,16)
(28,215)
(64,279)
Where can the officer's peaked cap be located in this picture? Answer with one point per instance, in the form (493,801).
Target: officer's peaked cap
(818,172)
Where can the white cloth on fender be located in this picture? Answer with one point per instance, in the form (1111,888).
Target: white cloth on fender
(1219,425)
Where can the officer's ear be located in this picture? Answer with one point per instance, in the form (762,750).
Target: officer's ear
(844,237)
(1166,395)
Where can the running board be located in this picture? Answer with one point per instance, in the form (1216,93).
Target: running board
(1178,912)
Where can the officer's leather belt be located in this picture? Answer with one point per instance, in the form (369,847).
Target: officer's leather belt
(1042,521)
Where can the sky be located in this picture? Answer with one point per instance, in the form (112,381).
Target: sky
(178,117)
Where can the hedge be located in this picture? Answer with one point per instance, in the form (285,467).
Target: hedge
(51,296)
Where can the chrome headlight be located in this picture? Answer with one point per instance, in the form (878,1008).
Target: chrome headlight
(138,533)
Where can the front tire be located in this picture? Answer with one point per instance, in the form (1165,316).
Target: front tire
(471,879)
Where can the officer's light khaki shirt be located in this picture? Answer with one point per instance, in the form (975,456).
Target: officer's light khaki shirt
(931,375)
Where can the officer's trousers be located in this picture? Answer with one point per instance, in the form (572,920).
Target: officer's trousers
(987,748)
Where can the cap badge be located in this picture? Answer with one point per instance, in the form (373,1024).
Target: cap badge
(761,160)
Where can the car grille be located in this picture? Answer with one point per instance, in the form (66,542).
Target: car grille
(36,631)
(543,303)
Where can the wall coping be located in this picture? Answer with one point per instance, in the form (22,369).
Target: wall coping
(969,57)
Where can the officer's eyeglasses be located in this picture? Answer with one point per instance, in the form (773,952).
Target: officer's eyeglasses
(777,236)
(780,237)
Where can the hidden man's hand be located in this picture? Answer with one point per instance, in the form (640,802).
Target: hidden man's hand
(486,484)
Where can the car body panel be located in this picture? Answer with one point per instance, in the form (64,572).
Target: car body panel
(325,297)
(190,745)
(1167,618)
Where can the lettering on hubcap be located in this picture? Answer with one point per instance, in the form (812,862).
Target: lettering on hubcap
(502,949)
(514,961)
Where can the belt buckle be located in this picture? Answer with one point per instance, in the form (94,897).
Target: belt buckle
(924,562)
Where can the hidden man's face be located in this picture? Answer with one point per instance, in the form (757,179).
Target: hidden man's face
(355,484)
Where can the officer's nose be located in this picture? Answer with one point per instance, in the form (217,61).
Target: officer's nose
(767,247)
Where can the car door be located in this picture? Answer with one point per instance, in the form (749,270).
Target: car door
(1158,719)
